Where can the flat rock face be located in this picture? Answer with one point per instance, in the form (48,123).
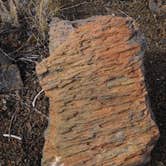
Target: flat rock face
(9,75)
(99,112)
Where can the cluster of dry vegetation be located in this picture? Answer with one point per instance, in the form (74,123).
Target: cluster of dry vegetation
(24,28)
(35,13)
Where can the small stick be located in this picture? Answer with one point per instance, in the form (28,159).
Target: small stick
(124,13)
(5,54)
(35,98)
(41,114)
(70,7)
(12,136)
(11,121)
(26,59)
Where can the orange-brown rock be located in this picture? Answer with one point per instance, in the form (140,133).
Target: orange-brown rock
(99,112)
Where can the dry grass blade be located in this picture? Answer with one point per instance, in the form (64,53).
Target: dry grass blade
(41,15)
(35,15)
(13,12)
(4,13)
(44,11)
(9,15)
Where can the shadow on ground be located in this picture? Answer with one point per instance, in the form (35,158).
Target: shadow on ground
(155,74)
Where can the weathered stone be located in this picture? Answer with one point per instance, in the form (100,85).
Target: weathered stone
(9,75)
(99,112)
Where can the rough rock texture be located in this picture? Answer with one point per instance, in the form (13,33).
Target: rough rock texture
(99,112)
(9,75)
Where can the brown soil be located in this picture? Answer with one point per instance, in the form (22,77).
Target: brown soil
(23,120)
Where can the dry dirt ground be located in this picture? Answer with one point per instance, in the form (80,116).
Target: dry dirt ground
(16,111)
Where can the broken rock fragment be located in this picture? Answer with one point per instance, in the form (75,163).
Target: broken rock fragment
(94,78)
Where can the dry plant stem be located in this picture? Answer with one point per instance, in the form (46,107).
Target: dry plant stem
(4,13)
(124,13)
(9,15)
(26,59)
(42,19)
(41,114)
(35,98)
(70,7)
(12,118)
(10,126)
(12,136)
(13,12)
(5,54)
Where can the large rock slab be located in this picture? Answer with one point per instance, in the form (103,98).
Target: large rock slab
(99,110)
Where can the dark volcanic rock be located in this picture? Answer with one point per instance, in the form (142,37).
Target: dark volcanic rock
(9,75)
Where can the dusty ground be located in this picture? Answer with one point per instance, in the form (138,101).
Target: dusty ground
(16,111)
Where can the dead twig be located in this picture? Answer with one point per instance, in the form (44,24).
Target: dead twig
(12,136)
(37,111)
(27,59)
(70,7)
(35,98)
(5,54)
(123,13)
(11,121)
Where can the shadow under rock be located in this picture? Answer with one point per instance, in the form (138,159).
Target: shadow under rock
(155,76)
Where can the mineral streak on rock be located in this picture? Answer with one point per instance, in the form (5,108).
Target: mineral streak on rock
(99,113)
(10,79)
